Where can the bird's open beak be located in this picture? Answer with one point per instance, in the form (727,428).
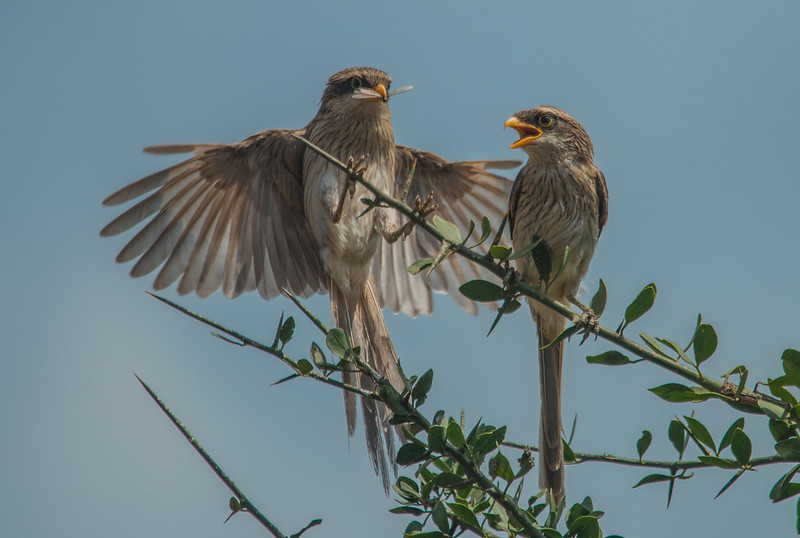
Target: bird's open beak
(527,132)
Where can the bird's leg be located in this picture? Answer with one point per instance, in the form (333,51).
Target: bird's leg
(588,323)
(423,209)
(356,166)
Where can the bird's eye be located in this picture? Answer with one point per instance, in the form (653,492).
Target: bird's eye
(355,83)
(546,121)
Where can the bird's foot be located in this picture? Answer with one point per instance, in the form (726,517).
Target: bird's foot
(357,167)
(511,278)
(588,323)
(421,208)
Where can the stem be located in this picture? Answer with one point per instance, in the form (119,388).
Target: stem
(633,462)
(747,397)
(274,351)
(245,503)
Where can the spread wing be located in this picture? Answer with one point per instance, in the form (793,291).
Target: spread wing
(465,191)
(231,216)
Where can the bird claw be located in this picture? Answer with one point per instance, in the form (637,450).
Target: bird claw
(588,324)
(423,209)
(356,166)
(511,278)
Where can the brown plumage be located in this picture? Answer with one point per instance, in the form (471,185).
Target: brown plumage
(264,214)
(561,197)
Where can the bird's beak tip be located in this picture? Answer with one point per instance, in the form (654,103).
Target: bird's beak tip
(381,89)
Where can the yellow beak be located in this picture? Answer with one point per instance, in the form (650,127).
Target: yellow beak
(527,132)
(381,90)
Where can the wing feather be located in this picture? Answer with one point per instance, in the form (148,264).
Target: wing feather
(232,216)
(465,191)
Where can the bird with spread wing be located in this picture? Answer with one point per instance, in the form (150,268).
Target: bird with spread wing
(270,214)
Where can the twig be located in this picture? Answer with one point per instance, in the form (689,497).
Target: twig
(633,462)
(746,398)
(244,502)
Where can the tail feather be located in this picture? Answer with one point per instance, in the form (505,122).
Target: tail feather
(342,316)
(366,327)
(551,451)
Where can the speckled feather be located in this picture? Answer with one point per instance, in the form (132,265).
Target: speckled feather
(561,197)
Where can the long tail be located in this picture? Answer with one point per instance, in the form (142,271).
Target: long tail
(551,451)
(365,326)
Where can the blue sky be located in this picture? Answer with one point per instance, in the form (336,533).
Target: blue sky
(693,112)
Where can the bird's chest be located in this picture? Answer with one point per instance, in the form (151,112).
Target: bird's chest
(562,211)
(334,209)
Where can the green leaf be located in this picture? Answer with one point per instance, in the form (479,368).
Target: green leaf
(776,387)
(234,504)
(741,446)
(455,434)
(337,342)
(609,358)
(791,365)
(439,516)
(566,333)
(406,488)
(304,367)
(643,302)
(700,432)
(287,331)
(643,443)
(576,511)
(719,462)
(561,267)
(465,515)
(674,346)
(789,450)
(598,302)
(653,344)
(412,510)
(542,259)
(436,438)
(772,410)
(499,467)
(411,453)
(449,230)
(726,439)
(447,480)
(481,291)
(677,436)
(419,265)
(423,386)
(652,479)
(569,455)
(783,487)
(677,393)
(486,231)
(318,356)
(705,343)
(499,252)
(779,429)
(524,251)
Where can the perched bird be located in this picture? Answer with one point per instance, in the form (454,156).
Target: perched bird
(560,197)
(270,214)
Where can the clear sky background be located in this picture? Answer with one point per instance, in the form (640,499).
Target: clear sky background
(693,110)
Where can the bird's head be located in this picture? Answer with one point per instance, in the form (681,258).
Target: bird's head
(548,134)
(358,89)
